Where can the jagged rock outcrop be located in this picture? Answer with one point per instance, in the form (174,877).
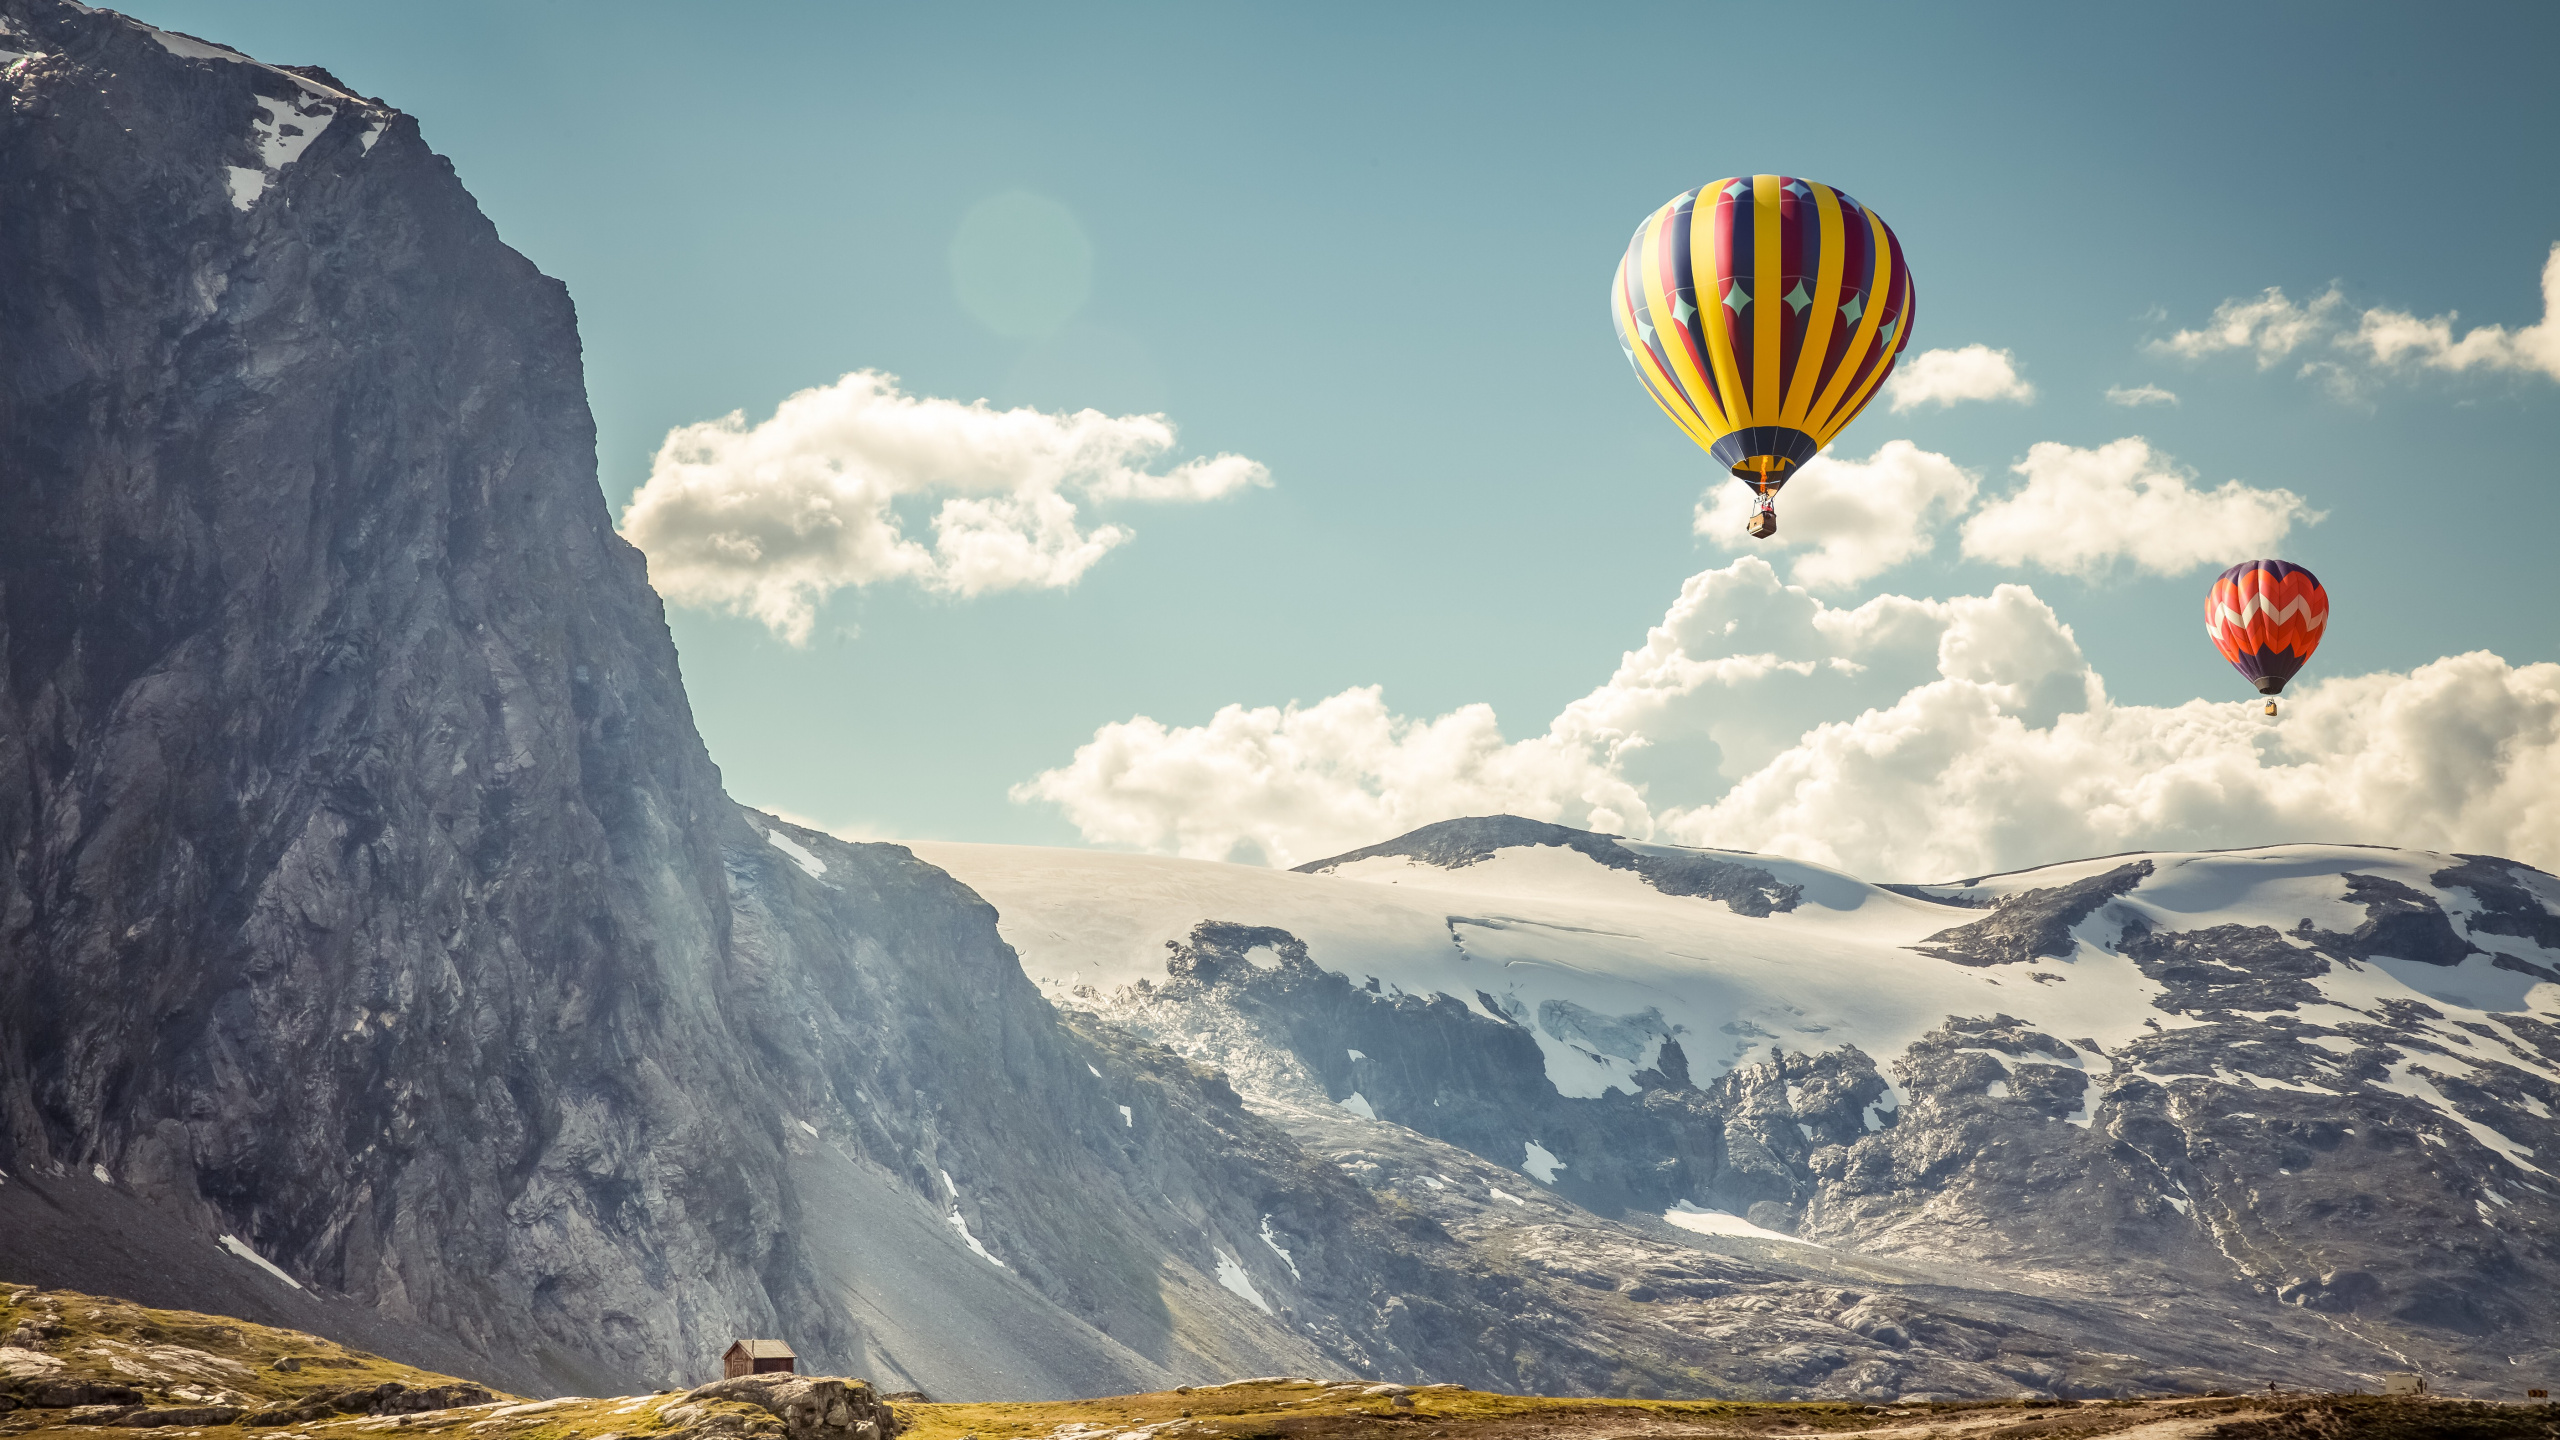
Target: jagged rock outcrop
(2033,924)
(814,1407)
(1452,844)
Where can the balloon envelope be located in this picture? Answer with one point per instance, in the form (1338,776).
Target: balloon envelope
(2266,617)
(1762,312)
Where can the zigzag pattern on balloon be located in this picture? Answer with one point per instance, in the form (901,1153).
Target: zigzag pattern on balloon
(2300,605)
(2266,617)
(2258,623)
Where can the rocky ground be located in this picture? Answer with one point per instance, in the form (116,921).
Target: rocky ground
(80,1365)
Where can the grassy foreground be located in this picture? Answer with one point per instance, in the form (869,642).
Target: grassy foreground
(179,1362)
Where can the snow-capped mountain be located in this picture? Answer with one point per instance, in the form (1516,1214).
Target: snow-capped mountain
(2301,1093)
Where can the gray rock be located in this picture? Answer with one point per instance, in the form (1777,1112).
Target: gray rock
(161,1416)
(810,1407)
(2033,923)
(2269,1159)
(1452,844)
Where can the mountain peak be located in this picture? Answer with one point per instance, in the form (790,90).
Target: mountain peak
(1672,869)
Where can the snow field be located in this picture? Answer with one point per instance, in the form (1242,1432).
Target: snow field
(1600,969)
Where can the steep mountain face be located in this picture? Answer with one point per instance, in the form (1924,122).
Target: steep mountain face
(358,840)
(2284,1113)
(378,952)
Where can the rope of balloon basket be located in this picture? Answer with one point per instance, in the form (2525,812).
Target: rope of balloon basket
(1761,486)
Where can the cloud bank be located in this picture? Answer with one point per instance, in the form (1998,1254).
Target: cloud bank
(1947,377)
(770,519)
(1900,738)
(2389,337)
(2269,325)
(1851,519)
(1287,785)
(2083,512)
(2380,340)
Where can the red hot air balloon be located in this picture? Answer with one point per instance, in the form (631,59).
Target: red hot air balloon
(2266,617)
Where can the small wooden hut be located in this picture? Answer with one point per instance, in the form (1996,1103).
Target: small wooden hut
(756,1357)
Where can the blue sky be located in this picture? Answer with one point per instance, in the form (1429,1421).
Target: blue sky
(1367,247)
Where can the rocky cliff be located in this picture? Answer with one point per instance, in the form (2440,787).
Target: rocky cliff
(378,952)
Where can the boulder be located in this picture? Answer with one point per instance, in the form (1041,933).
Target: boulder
(66,1394)
(179,1415)
(809,1407)
(389,1398)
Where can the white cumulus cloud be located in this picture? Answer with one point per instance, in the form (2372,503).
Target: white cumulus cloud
(2462,753)
(1742,666)
(2381,340)
(2134,395)
(1945,377)
(770,519)
(2271,325)
(1851,519)
(1899,738)
(2389,337)
(1285,785)
(2082,512)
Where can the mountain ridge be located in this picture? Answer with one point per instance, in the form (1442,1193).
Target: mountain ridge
(2179,1135)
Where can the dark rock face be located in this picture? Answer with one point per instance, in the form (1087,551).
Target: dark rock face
(1453,844)
(2507,905)
(391,1398)
(165,1415)
(2399,922)
(2033,924)
(68,1394)
(1478,1082)
(2225,968)
(358,840)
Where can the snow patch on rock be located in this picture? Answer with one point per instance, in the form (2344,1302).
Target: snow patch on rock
(1539,1163)
(234,1244)
(1718,1222)
(799,853)
(1274,1242)
(1232,1275)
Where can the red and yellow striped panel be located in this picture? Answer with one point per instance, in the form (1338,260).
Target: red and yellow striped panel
(2266,617)
(1763,301)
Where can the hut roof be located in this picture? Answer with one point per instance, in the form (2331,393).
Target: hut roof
(765,1350)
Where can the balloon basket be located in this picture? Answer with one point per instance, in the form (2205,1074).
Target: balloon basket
(2271,707)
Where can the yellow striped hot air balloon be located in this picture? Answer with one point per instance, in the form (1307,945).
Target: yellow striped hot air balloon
(1762,312)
